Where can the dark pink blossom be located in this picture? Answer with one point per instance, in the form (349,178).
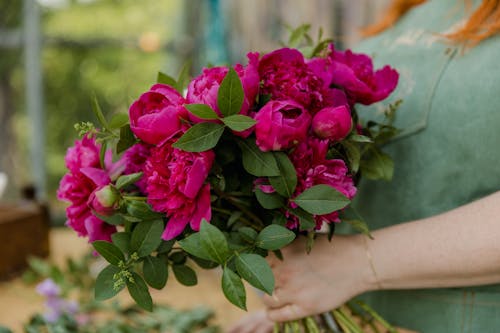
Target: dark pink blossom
(281,125)
(355,74)
(176,186)
(134,160)
(286,76)
(313,168)
(204,88)
(333,123)
(78,185)
(156,116)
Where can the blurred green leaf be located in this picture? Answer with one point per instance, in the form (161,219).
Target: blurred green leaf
(118,120)
(192,245)
(126,180)
(166,79)
(127,139)
(269,200)
(122,241)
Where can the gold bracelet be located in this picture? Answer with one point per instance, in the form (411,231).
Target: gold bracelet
(370,261)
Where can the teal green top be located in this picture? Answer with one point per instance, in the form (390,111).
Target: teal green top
(447,156)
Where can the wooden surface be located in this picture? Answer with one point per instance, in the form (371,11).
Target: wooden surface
(24,232)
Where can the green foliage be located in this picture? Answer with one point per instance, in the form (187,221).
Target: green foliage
(321,199)
(155,272)
(200,137)
(286,182)
(126,180)
(105,286)
(256,270)
(202,111)
(146,237)
(230,96)
(213,243)
(256,162)
(233,288)
(185,275)
(274,237)
(238,122)
(139,292)
(110,252)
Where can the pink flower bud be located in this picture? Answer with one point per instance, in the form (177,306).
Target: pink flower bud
(332,123)
(104,200)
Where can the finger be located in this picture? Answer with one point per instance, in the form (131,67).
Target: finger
(273,301)
(285,313)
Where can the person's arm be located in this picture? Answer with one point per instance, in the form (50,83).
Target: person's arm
(456,248)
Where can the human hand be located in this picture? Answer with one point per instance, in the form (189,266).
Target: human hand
(255,322)
(307,284)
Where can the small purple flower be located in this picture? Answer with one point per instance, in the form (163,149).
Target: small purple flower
(48,288)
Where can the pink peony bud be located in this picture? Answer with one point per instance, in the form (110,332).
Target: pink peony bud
(104,200)
(332,123)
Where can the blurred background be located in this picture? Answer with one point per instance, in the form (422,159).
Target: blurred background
(56,54)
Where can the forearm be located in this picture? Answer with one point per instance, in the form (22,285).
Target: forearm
(457,248)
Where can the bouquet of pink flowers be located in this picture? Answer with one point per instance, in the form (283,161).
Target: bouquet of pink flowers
(251,157)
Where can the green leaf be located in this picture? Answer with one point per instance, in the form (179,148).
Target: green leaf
(248,234)
(146,237)
(286,182)
(274,237)
(115,219)
(256,271)
(269,200)
(109,251)
(165,246)
(213,242)
(192,245)
(183,79)
(104,283)
(256,162)
(359,225)
(155,272)
(359,138)
(126,180)
(235,216)
(202,111)
(185,275)
(233,288)
(122,241)
(200,137)
(379,166)
(353,155)
(166,79)
(298,34)
(139,292)
(127,139)
(118,120)
(230,96)
(306,220)
(141,210)
(98,113)
(321,199)
(102,154)
(238,122)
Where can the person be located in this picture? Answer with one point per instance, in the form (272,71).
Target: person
(433,264)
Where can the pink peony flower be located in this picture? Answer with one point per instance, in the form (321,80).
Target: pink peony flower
(333,123)
(176,185)
(286,76)
(354,72)
(134,159)
(156,116)
(204,89)
(79,184)
(313,168)
(281,125)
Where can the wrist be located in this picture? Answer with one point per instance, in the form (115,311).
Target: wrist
(370,278)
